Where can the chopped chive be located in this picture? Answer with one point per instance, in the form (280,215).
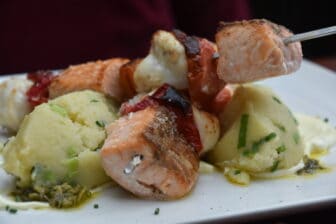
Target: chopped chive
(296,138)
(276,99)
(12,210)
(18,198)
(275,166)
(281,149)
(5,143)
(292,115)
(236,172)
(58,109)
(247,153)
(281,127)
(71,152)
(94,101)
(100,124)
(256,145)
(96,206)
(242,131)
(269,137)
(326,120)
(157,211)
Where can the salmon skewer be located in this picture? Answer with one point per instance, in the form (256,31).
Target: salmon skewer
(253,50)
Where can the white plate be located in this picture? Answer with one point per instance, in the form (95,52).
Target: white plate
(312,90)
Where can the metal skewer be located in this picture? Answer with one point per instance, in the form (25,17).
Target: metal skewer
(310,35)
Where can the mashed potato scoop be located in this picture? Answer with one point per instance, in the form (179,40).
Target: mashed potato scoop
(259,133)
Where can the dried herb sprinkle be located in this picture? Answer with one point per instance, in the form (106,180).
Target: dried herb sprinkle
(157,211)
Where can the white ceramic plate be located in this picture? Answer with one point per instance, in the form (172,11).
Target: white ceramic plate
(312,90)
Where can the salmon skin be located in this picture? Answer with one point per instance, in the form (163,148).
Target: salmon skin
(253,50)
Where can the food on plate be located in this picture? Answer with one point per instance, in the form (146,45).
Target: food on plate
(203,81)
(237,176)
(317,135)
(182,61)
(254,49)
(13,101)
(260,134)
(165,63)
(58,144)
(176,106)
(145,153)
(101,76)
(205,167)
(38,93)
(153,151)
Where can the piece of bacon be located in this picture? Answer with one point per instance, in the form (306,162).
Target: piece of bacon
(204,83)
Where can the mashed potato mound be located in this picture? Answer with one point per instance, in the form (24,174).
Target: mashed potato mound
(59,141)
(259,133)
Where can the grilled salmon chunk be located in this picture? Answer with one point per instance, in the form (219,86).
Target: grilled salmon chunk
(253,50)
(101,76)
(146,155)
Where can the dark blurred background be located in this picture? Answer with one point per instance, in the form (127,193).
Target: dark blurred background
(41,34)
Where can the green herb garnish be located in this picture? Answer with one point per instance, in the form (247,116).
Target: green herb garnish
(281,127)
(72,168)
(242,131)
(71,152)
(276,99)
(281,149)
(296,138)
(157,211)
(96,206)
(256,145)
(310,166)
(62,195)
(236,172)
(100,124)
(58,109)
(247,153)
(18,198)
(275,166)
(5,143)
(292,115)
(11,210)
(42,176)
(94,101)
